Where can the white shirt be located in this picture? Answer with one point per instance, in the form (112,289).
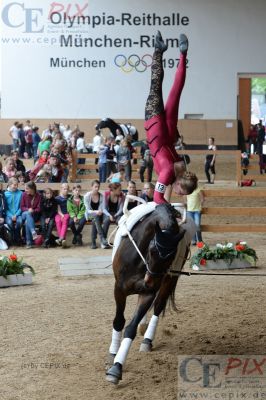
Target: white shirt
(81,145)
(67,134)
(96,141)
(14,132)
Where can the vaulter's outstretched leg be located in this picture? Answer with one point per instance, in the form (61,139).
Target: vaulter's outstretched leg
(172,104)
(154,104)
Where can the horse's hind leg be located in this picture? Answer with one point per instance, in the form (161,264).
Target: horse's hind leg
(167,287)
(114,374)
(118,322)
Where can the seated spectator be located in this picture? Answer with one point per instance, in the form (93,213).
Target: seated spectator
(112,206)
(76,210)
(44,175)
(31,210)
(93,201)
(148,192)
(48,213)
(45,144)
(57,170)
(131,189)
(9,168)
(18,163)
(43,159)
(3,177)
(117,177)
(13,217)
(20,177)
(62,216)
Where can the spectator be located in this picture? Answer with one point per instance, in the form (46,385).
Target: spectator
(13,219)
(18,163)
(45,144)
(97,141)
(20,177)
(67,134)
(93,201)
(146,163)
(22,140)
(210,162)
(49,211)
(111,166)
(3,177)
(29,142)
(44,175)
(103,163)
(13,133)
(9,168)
(36,139)
(62,216)
(76,210)
(194,203)
(81,148)
(118,177)
(148,192)
(131,189)
(112,206)
(31,210)
(57,170)
(124,158)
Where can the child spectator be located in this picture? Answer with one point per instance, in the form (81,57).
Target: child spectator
(194,204)
(49,211)
(62,216)
(112,206)
(102,163)
(124,158)
(18,163)
(117,177)
(31,210)
(9,168)
(57,170)
(35,142)
(13,219)
(93,201)
(76,210)
(131,189)
(21,139)
(44,175)
(20,177)
(3,177)
(148,192)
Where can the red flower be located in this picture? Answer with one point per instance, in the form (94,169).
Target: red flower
(240,247)
(13,257)
(200,245)
(203,262)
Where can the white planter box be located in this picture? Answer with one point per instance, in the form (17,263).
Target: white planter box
(221,264)
(16,280)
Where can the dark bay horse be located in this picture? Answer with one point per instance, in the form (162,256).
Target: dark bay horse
(157,237)
(124,129)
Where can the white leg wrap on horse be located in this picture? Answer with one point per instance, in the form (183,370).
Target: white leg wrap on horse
(150,332)
(116,340)
(123,351)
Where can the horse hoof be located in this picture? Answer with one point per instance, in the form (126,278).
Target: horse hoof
(109,361)
(114,374)
(142,329)
(146,346)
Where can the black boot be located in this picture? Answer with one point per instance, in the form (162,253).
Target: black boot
(159,43)
(79,239)
(74,241)
(183,43)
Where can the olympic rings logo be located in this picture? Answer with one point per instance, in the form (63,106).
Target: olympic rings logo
(133,62)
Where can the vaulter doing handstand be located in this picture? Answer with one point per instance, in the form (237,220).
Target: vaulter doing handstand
(161,126)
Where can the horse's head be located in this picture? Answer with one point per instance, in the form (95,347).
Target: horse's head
(163,247)
(104,123)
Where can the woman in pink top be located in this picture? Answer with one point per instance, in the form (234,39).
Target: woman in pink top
(160,125)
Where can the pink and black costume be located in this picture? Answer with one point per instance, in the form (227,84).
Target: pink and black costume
(161,123)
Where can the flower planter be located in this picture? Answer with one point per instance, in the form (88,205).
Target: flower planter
(222,264)
(16,280)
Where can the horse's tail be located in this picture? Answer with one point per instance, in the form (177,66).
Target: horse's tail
(171,297)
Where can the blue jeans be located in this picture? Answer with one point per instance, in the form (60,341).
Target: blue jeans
(15,227)
(15,144)
(196,216)
(102,172)
(29,220)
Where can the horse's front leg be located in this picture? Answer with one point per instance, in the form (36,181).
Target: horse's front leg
(114,374)
(166,289)
(118,323)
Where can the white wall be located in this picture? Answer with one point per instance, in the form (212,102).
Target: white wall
(226,37)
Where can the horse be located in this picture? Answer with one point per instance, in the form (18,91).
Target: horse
(141,264)
(124,129)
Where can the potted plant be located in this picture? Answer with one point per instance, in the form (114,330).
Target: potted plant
(12,271)
(223,256)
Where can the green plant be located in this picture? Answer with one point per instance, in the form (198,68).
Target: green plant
(227,252)
(12,265)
